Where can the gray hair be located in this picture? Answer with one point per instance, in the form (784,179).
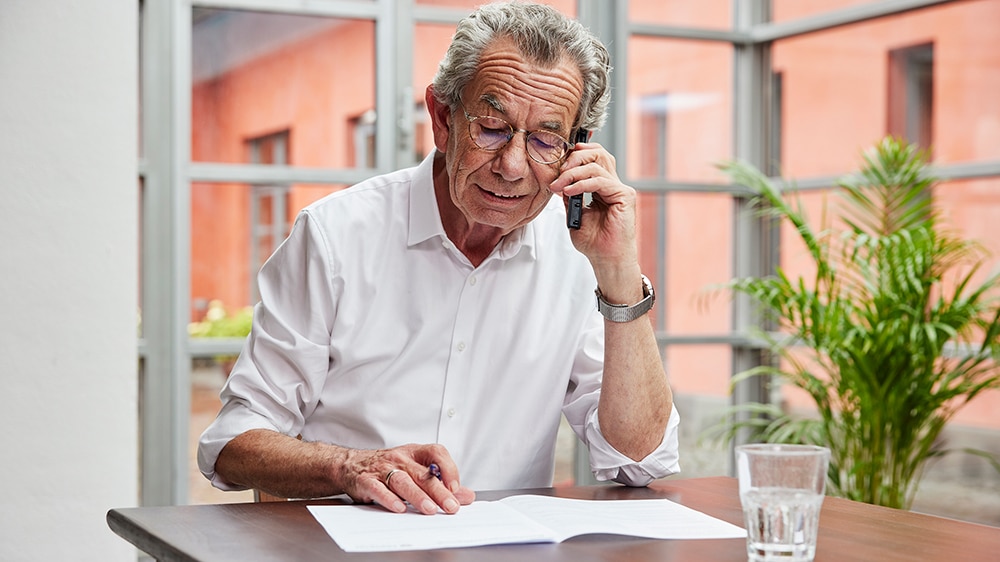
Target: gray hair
(543,35)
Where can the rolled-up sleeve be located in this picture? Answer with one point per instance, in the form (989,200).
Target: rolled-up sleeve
(608,464)
(278,377)
(235,418)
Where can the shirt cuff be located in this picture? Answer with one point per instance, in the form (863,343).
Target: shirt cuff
(608,464)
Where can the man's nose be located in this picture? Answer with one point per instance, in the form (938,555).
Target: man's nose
(511,161)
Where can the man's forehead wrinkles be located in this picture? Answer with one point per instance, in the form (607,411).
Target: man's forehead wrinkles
(494,102)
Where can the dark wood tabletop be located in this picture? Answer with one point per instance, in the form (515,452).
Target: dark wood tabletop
(849,531)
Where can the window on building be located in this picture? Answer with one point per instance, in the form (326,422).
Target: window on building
(363,145)
(911,94)
(269,203)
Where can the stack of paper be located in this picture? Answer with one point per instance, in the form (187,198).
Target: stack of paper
(515,519)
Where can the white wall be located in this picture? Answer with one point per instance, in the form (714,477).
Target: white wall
(68,276)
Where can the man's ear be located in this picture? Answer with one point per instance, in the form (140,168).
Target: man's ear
(440,115)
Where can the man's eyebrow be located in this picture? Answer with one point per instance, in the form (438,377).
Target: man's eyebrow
(492,101)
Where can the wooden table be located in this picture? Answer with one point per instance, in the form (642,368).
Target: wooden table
(287,531)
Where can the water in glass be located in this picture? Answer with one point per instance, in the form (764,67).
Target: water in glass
(781,523)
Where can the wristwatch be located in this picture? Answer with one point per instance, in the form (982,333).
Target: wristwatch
(624,312)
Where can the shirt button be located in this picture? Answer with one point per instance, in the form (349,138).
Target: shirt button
(461,346)
(472,280)
(451,412)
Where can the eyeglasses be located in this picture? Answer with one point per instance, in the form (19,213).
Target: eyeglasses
(493,133)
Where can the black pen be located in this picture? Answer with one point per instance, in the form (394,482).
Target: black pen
(434,470)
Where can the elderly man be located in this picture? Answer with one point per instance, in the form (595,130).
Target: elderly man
(422,332)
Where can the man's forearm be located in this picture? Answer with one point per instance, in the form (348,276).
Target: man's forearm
(635,399)
(281,465)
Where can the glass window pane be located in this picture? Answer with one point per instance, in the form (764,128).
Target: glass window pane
(976,426)
(234,229)
(679,116)
(207,378)
(931,75)
(566,443)
(309,78)
(685,248)
(699,378)
(429,46)
(971,207)
(710,14)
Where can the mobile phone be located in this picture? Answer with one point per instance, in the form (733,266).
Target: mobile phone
(574,214)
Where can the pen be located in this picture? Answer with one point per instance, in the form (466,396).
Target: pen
(434,470)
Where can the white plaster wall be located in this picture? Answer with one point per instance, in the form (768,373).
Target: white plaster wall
(68,276)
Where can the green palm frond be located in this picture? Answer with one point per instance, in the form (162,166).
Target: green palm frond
(891,192)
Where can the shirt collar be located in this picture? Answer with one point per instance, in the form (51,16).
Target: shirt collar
(425,217)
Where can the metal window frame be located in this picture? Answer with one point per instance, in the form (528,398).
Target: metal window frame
(164,379)
(167,172)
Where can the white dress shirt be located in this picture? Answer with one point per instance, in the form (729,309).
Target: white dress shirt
(374,331)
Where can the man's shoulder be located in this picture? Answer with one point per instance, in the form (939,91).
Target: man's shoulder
(372,202)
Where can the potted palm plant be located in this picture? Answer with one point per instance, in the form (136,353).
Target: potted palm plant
(893,332)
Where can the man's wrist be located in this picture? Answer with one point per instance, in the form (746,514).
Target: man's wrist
(627,312)
(619,281)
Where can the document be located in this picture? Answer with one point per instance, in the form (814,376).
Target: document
(515,519)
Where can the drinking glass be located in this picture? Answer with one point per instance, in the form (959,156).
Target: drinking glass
(781,489)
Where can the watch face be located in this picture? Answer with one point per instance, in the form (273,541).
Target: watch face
(647,287)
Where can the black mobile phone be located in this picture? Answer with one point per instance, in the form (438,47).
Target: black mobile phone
(574,214)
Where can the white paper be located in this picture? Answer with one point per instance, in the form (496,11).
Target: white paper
(515,519)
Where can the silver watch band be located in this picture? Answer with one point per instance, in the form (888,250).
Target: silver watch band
(625,312)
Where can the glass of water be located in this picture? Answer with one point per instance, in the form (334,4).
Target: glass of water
(781,489)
